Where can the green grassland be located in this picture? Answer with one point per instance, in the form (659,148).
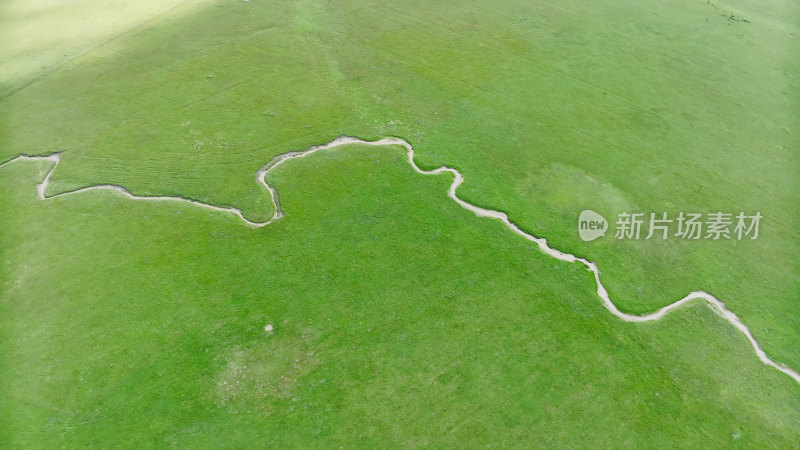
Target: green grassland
(399,318)
(138,323)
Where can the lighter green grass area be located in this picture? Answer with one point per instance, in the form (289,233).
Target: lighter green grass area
(40,36)
(399,317)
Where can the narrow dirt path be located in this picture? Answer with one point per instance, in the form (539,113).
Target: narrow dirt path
(714,303)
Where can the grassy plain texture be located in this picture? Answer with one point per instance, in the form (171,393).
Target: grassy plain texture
(399,318)
(547,109)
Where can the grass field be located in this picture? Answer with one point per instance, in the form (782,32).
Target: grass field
(399,317)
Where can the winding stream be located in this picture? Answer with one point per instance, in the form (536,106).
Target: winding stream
(714,303)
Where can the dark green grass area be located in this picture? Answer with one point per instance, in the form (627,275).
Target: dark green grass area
(400,320)
(547,108)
